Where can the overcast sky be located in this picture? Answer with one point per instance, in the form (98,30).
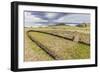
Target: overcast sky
(35,18)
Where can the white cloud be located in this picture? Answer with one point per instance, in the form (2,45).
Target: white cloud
(51,15)
(75,18)
(32,18)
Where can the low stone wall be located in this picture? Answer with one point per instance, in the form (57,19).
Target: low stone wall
(71,35)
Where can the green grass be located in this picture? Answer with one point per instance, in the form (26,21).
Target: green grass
(61,48)
(69,32)
(71,28)
(81,51)
(33,52)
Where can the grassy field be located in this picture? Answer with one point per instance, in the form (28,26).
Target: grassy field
(33,52)
(60,48)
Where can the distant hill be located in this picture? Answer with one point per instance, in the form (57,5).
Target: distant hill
(83,25)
